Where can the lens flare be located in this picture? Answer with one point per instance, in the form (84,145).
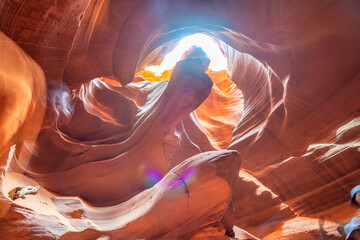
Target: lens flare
(152,176)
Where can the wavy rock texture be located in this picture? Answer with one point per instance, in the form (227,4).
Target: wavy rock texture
(117,151)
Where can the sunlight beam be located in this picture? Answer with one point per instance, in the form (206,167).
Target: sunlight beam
(217,59)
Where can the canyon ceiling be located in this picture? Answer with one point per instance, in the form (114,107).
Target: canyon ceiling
(268,150)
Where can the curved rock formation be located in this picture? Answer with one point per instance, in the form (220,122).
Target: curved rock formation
(81,159)
(291,110)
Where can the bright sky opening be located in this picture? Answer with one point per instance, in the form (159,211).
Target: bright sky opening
(217,59)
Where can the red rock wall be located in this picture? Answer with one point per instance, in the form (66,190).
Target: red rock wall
(44,29)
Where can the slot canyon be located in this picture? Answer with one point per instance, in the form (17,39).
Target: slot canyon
(267,149)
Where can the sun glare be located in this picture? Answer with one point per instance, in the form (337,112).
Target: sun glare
(218,61)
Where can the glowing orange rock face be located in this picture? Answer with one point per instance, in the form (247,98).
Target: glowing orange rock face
(151,76)
(221,111)
(23,96)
